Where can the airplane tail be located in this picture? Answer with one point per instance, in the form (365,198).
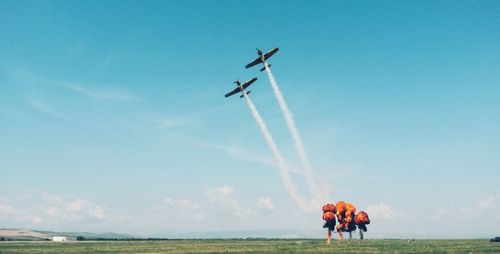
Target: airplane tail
(263,68)
(248,92)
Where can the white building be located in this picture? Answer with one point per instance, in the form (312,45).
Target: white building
(59,239)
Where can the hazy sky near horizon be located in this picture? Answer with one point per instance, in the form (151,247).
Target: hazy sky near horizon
(112,114)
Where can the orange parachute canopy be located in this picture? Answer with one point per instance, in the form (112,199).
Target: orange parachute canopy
(329,208)
(362,218)
(328,216)
(341,208)
(350,208)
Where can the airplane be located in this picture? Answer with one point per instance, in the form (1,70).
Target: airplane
(262,58)
(241,87)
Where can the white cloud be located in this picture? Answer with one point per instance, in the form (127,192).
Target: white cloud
(380,211)
(214,209)
(222,192)
(47,197)
(265,204)
(182,209)
(49,209)
(36,220)
(85,208)
(102,94)
(385,212)
(489,203)
(480,217)
(182,203)
(6,210)
(225,190)
(10,212)
(79,209)
(221,196)
(52,211)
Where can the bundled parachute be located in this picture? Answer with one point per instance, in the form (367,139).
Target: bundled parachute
(345,214)
(349,224)
(329,211)
(329,208)
(362,220)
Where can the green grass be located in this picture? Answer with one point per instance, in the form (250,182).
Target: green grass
(254,246)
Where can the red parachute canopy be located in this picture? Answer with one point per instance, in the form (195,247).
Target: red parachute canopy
(329,208)
(328,216)
(362,218)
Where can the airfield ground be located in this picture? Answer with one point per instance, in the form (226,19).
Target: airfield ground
(254,246)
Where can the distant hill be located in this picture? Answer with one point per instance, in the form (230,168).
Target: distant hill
(17,234)
(37,235)
(242,234)
(40,235)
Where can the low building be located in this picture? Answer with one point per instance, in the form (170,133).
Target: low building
(59,239)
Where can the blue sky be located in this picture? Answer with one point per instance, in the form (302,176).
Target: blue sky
(112,115)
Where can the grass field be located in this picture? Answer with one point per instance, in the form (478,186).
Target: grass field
(255,246)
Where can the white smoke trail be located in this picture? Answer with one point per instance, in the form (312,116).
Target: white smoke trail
(280,162)
(297,141)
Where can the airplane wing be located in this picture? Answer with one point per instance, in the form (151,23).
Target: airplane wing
(248,83)
(259,60)
(255,62)
(270,53)
(235,91)
(245,85)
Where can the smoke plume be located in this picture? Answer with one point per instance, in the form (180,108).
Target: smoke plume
(297,141)
(280,162)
